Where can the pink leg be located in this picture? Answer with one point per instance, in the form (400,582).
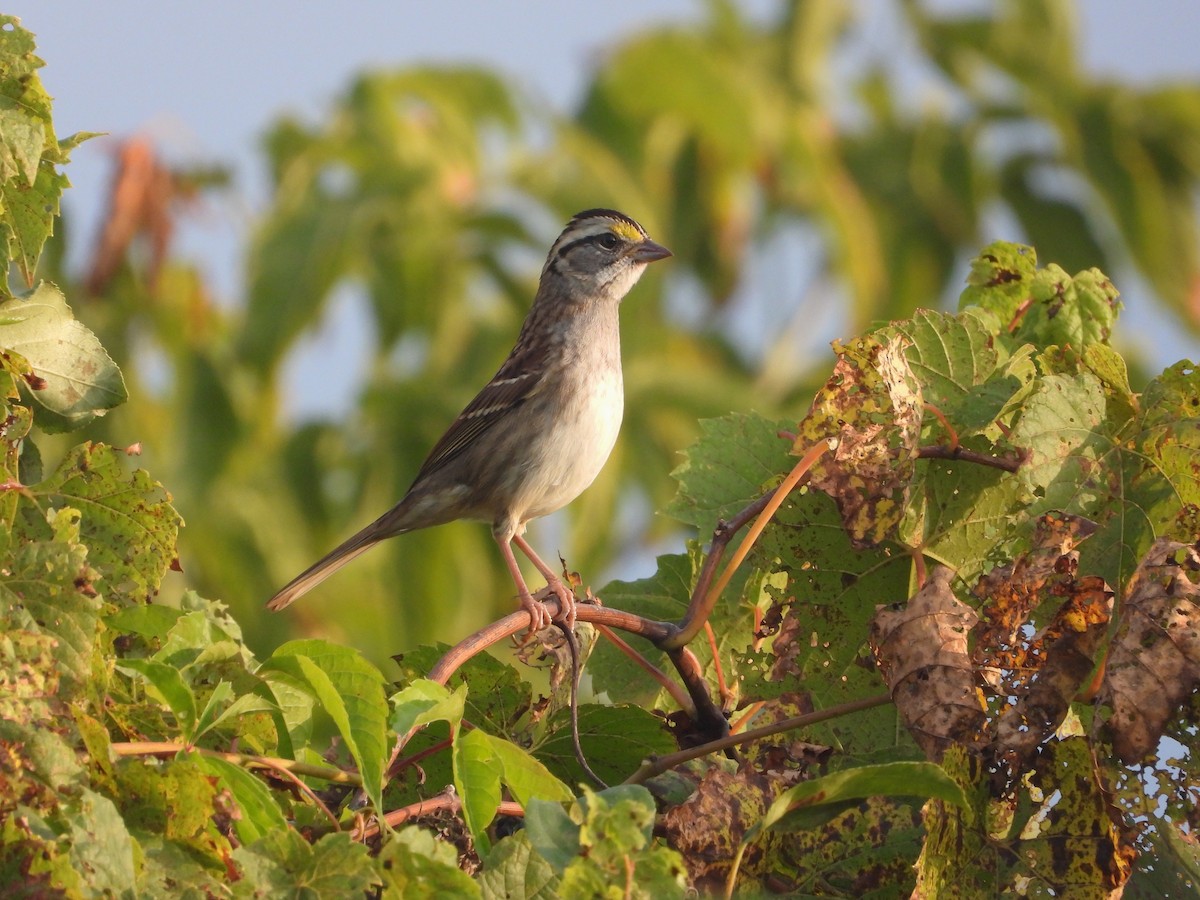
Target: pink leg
(566,597)
(539,617)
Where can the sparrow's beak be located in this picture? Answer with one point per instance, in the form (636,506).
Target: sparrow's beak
(648,251)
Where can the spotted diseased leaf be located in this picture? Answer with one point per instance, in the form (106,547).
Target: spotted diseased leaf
(48,589)
(30,183)
(1073,838)
(710,824)
(860,838)
(1061,832)
(998,283)
(1035,675)
(1138,479)
(1069,311)
(922,654)
(831,592)
(1154,664)
(1043,307)
(872,407)
(118,510)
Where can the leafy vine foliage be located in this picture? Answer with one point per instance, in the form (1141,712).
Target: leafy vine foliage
(994,563)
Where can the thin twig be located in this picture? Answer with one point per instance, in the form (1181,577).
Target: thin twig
(414,758)
(722,688)
(941,417)
(660,764)
(940,451)
(750,712)
(678,694)
(169,748)
(307,791)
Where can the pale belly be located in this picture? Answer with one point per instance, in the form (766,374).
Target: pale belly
(573,449)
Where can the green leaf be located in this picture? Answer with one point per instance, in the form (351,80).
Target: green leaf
(730,465)
(960,370)
(515,869)
(1135,478)
(415,865)
(497,700)
(425,701)
(166,685)
(478,771)
(283,864)
(663,596)
(350,690)
(170,869)
(27,213)
(822,646)
(1066,311)
(524,775)
(244,705)
(260,814)
(152,620)
(615,740)
(616,836)
(552,833)
(118,510)
(998,284)
(102,850)
(77,379)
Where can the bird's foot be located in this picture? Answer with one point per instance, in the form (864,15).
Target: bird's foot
(539,616)
(566,604)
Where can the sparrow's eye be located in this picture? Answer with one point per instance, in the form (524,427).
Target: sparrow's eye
(610,242)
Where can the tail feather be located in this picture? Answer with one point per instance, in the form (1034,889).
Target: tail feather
(326,566)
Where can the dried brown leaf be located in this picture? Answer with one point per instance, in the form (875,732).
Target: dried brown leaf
(1011,592)
(1154,664)
(921,650)
(139,203)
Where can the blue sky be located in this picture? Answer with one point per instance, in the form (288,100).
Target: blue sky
(205,79)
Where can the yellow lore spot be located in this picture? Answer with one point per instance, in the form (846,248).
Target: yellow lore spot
(626,231)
